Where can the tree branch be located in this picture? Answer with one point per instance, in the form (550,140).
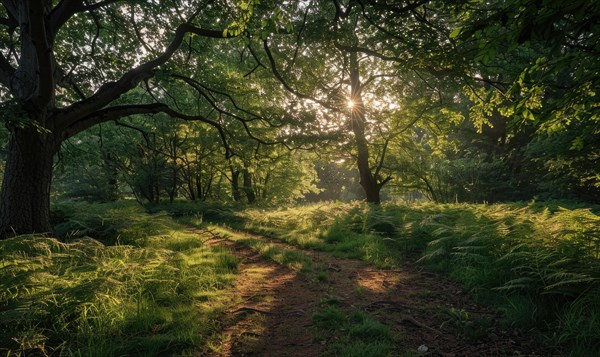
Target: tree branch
(199,86)
(382,158)
(368,51)
(139,130)
(43,51)
(254,54)
(340,13)
(67,8)
(6,72)
(121,111)
(398,10)
(285,84)
(62,13)
(11,8)
(99,4)
(113,90)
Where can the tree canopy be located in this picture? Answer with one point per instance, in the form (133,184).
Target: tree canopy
(255,101)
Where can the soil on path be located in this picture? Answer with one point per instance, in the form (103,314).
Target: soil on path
(274,307)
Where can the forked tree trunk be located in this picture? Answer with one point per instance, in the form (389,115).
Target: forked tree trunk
(370,186)
(25,194)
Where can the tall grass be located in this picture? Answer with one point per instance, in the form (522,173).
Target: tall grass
(345,230)
(539,265)
(293,259)
(160,294)
(122,222)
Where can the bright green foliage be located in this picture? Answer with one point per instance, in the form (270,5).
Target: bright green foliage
(536,263)
(346,230)
(122,222)
(293,259)
(87,298)
(532,93)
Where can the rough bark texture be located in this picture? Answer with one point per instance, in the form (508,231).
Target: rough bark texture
(25,195)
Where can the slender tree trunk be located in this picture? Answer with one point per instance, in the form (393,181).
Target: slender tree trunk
(172,192)
(208,187)
(25,194)
(248,189)
(199,182)
(235,185)
(190,185)
(358,121)
(112,173)
(430,189)
(109,168)
(264,190)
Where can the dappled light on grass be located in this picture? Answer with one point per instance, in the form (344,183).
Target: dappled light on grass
(167,289)
(166,292)
(294,260)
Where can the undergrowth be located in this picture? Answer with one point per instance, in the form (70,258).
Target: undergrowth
(344,230)
(161,293)
(539,263)
(293,259)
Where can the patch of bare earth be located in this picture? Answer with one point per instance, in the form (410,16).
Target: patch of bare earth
(272,310)
(272,316)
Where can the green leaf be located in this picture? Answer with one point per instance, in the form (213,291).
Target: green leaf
(455,32)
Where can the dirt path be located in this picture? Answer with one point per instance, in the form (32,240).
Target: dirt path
(272,314)
(274,306)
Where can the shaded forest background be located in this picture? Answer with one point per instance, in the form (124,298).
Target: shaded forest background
(462,103)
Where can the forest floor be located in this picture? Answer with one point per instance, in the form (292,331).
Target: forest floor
(282,310)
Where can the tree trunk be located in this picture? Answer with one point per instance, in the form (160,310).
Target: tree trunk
(25,194)
(369,185)
(190,185)
(265,184)
(112,173)
(368,181)
(208,187)
(248,189)
(199,182)
(235,185)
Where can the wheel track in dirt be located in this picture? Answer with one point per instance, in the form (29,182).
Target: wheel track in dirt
(272,314)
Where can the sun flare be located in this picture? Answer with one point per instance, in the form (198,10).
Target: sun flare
(350,104)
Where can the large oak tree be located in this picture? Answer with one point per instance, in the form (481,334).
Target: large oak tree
(69,65)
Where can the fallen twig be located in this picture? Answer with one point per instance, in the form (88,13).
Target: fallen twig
(250,309)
